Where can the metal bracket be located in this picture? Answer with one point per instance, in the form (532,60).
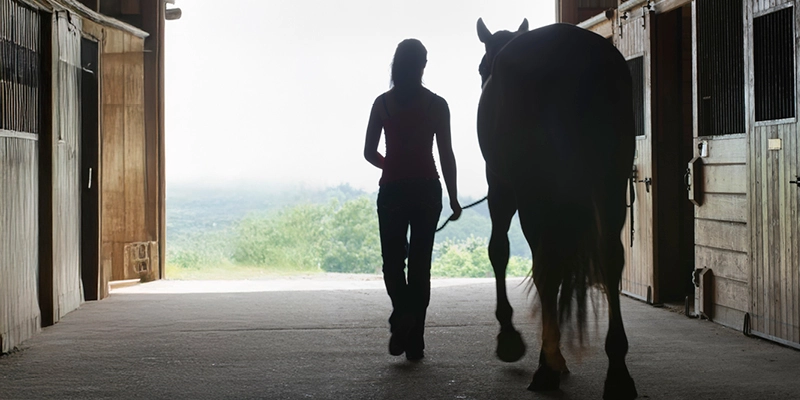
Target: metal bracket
(647,7)
(623,17)
(647,182)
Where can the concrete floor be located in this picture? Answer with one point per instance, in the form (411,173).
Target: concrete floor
(327,339)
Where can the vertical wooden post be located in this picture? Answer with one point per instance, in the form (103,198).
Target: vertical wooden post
(153,24)
(162,177)
(46,298)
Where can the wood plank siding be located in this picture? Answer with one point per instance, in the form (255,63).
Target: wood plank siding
(124,159)
(721,223)
(721,230)
(19,236)
(633,41)
(20,128)
(66,167)
(59,113)
(773,162)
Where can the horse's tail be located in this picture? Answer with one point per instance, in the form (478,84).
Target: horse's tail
(580,242)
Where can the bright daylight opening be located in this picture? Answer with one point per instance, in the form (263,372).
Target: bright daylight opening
(266,110)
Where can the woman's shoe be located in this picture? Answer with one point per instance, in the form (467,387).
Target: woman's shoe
(415,355)
(399,339)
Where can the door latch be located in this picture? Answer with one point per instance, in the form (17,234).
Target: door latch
(796,181)
(647,183)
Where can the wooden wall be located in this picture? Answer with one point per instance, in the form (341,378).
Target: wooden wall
(19,237)
(774,203)
(20,129)
(721,230)
(40,159)
(124,161)
(66,176)
(148,15)
(632,39)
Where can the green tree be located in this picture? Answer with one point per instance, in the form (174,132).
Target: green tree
(470,259)
(352,239)
(289,238)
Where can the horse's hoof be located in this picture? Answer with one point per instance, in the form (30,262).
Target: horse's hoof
(545,379)
(619,386)
(510,346)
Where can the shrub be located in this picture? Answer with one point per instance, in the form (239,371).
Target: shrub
(352,240)
(288,239)
(470,259)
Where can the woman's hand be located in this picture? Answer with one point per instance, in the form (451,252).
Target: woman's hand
(456,207)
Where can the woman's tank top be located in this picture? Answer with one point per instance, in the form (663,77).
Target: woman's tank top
(409,144)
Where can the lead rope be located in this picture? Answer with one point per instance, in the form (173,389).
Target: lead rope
(633,200)
(462,208)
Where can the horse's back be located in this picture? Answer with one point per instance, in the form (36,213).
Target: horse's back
(557,112)
(559,48)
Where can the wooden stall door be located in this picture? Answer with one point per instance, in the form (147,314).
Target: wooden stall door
(633,41)
(22,129)
(774,171)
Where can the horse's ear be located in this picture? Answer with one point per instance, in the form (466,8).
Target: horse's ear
(523,27)
(483,32)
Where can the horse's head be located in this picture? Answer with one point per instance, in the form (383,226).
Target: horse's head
(494,42)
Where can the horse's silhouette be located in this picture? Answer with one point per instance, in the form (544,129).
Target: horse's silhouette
(555,126)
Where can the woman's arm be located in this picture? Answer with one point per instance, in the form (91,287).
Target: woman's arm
(446,156)
(374,128)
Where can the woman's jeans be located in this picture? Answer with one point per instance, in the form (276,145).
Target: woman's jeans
(418,204)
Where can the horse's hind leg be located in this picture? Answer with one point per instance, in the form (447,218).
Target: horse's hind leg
(551,361)
(619,384)
(502,206)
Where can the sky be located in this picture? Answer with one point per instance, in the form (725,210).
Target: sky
(278,92)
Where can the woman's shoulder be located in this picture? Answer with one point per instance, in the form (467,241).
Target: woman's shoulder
(381,97)
(431,94)
(436,100)
(437,103)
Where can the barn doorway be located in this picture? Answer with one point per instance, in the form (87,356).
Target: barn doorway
(673,146)
(90,193)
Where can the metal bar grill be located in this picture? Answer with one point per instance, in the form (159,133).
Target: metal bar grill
(20,67)
(720,62)
(636,66)
(773,56)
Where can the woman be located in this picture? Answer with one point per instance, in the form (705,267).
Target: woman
(410,193)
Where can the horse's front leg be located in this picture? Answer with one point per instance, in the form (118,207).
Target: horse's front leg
(502,206)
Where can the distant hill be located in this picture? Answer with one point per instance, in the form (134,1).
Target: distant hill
(194,210)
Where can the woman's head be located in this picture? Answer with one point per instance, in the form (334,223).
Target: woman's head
(408,64)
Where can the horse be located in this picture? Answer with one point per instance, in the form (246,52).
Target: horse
(556,129)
